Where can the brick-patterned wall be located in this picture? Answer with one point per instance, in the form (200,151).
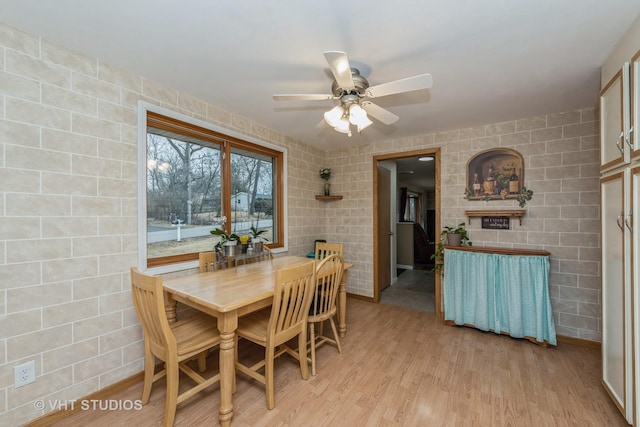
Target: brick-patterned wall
(68,138)
(561,159)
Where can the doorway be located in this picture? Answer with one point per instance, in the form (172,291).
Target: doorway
(414,206)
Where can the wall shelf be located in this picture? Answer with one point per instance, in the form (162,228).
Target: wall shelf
(515,213)
(328,198)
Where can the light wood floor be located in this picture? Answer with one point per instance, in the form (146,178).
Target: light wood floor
(401,367)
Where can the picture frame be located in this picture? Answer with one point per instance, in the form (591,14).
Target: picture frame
(495,174)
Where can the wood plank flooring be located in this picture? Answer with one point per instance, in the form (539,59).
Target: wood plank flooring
(402,367)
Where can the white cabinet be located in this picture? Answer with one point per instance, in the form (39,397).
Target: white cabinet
(617,341)
(614,121)
(619,187)
(634,107)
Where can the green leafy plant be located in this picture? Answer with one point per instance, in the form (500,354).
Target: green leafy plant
(224,236)
(523,196)
(255,233)
(438,256)
(325,174)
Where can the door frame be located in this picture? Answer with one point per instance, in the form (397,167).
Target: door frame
(435,152)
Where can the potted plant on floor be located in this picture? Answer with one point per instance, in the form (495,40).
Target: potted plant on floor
(450,236)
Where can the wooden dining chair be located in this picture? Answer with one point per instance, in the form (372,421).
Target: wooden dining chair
(266,254)
(323,307)
(209,261)
(272,327)
(324,249)
(174,344)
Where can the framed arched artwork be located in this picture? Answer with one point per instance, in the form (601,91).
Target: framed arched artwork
(495,174)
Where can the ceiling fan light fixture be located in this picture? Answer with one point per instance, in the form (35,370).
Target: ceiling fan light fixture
(364,124)
(358,117)
(356,114)
(342,125)
(334,115)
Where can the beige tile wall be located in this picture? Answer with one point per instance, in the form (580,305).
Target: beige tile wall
(561,155)
(68,212)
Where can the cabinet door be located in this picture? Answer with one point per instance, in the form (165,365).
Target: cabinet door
(633,222)
(634,108)
(616,343)
(613,108)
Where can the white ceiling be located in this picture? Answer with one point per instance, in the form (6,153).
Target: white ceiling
(491,60)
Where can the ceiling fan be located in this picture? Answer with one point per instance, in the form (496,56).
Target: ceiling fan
(353,91)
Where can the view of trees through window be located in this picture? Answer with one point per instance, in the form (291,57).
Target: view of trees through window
(187,196)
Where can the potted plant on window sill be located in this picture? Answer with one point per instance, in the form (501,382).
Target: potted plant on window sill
(450,236)
(256,240)
(228,242)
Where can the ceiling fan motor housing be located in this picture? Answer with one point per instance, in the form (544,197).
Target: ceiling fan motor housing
(360,83)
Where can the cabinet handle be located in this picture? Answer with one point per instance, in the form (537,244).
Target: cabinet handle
(618,221)
(628,138)
(620,149)
(627,221)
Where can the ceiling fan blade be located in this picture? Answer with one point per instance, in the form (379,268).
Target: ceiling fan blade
(422,81)
(302,97)
(340,68)
(377,112)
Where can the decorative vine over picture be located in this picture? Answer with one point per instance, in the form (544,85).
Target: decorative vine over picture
(326,174)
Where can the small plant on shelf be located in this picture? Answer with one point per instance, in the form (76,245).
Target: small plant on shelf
(453,236)
(325,174)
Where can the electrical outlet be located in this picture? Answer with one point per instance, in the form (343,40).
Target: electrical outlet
(24,374)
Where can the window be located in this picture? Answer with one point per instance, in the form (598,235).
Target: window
(198,179)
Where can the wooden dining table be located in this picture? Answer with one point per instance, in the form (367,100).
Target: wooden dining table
(230,293)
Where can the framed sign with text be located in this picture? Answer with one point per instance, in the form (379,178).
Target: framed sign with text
(495,222)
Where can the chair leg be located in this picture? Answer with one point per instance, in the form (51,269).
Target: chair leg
(302,346)
(149,368)
(268,377)
(335,334)
(312,344)
(202,361)
(172,392)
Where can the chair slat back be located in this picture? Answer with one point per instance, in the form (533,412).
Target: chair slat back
(324,249)
(208,261)
(328,278)
(148,300)
(266,254)
(291,302)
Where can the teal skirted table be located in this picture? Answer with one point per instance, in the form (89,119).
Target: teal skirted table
(501,290)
